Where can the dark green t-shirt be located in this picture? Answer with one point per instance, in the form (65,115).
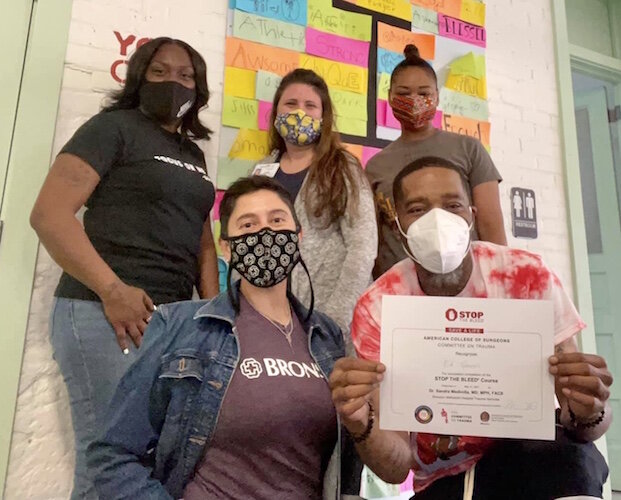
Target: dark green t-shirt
(145,217)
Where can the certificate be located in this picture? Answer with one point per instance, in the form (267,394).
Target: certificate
(468,367)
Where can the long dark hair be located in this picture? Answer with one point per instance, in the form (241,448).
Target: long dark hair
(330,177)
(413,60)
(128,97)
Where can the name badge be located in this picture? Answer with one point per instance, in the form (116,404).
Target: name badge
(267,169)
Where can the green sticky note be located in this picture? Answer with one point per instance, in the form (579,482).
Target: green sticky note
(471,64)
(456,103)
(425,19)
(350,126)
(324,17)
(266,85)
(239,112)
(349,104)
(383,86)
(269,31)
(231,169)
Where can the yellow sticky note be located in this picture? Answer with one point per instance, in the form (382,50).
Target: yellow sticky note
(350,126)
(383,86)
(337,75)
(466,84)
(395,8)
(217,231)
(471,64)
(240,113)
(239,82)
(349,104)
(250,145)
(324,17)
(473,12)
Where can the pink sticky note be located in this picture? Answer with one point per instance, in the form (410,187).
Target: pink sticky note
(265,110)
(461,30)
(380,117)
(391,121)
(337,48)
(367,153)
(437,120)
(216,205)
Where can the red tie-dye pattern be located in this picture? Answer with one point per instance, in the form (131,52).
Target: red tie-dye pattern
(482,252)
(523,282)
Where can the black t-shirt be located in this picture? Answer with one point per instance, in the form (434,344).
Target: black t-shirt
(291,182)
(145,217)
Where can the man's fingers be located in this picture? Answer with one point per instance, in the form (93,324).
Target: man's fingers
(347,364)
(344,394)
(587,385)
(142,326)
(135,334)
(355,377)
(590,403)
(148,302)
(351,407)
(121,337)
(578,357)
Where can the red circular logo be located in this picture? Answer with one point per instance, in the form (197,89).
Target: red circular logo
(451,314)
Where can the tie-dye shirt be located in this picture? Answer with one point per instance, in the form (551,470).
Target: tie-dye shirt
(498,272)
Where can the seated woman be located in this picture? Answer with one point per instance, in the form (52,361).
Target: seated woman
(229,398)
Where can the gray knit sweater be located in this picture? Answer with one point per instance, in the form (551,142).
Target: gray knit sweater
(339,257)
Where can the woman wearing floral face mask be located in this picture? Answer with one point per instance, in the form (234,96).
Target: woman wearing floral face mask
(146,238)
(333,199)
(413,97)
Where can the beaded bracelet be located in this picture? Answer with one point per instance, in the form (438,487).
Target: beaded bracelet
(359,438)
(585,425)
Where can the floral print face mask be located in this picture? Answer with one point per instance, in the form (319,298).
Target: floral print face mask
(298,128)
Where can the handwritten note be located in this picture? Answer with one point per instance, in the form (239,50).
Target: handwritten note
(239,82)
(466,126)
(461,30)
(265,110)
(290,11)
(476,87)
(383,86)
(349,104)
(387,60)
(231,169)
(337,48)
(471,64)
(473,11)
(255,56)
(266,85)
(250,145)
(351,126)
(337,75)
(425,19)
(239,112)
(401,9)
(395,39)
(268,31)
(455,103)
(367,153)
(447,7)
(216,205)
(324,17)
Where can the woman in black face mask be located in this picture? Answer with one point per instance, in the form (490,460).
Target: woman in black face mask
(146,238)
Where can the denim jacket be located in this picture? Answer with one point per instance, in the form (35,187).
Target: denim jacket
(166,408)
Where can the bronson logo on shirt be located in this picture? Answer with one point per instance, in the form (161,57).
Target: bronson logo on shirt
(252,368)
(183,164)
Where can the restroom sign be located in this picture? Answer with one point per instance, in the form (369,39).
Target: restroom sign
(523,213)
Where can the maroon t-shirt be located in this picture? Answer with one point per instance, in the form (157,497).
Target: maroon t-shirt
(277,426)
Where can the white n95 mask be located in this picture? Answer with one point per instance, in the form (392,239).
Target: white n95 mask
(438,241)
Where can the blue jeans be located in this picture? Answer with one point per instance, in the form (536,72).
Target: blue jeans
(92,364)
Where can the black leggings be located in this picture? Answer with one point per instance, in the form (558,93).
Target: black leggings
(529,470)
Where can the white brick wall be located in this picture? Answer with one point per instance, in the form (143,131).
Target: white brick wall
(525,145)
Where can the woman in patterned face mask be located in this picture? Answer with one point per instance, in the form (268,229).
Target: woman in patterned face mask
(233,382)
(413,98)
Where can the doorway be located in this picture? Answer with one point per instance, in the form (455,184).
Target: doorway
(597,106)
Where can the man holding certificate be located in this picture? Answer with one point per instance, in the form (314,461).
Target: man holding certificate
(465,374)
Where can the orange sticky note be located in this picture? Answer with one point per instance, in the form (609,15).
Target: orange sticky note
(255,56)
(354,149)
(467,126)
(395,40)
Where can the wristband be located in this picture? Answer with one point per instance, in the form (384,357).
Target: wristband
(359,438)
(584,425)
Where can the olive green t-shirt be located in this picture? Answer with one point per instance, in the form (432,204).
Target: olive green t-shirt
(465,152)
